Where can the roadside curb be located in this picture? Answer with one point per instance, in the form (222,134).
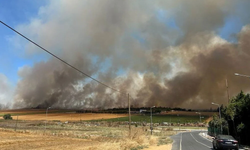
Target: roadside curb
(206,136)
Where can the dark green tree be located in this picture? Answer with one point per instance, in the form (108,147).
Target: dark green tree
(237,114)
(7,116)
(215,125)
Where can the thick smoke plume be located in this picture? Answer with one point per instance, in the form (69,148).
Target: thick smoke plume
(129,46)
(6,92)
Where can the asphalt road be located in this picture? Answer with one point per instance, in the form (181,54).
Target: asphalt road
(191,141)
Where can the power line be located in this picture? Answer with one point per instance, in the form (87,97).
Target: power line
(75,69)
(68,64)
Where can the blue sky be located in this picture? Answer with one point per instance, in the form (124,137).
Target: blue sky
(18,12)
(14,13)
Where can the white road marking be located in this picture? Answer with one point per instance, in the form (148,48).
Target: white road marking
(199,142)
(180,141)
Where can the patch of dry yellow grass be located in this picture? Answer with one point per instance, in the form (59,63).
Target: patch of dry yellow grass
(161,147)
(30,114)
(37,140)
(15,140)
(75,136)
(69,116)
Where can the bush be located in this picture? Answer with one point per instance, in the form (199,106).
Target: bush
(7,116)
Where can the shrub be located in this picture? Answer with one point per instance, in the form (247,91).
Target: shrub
(7,116)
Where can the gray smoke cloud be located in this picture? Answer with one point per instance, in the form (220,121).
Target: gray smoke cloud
(205,83)
(128,46)
(6,93)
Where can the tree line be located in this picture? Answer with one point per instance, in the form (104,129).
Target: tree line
(235,118)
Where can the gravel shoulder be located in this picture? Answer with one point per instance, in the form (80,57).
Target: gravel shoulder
(165,147)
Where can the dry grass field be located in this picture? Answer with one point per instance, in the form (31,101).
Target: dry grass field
(37,114)
(90,139)
(69,116)
(28,132)
(11,140)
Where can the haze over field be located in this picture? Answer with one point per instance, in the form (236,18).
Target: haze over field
(163,52)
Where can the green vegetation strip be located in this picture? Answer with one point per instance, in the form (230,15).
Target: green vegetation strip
(33,113)
(159,119)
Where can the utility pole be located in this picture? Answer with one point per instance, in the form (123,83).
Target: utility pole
(151,118)
(220,116)
(200,118)
(46,118)
(199,115)
(227,93)
(16,122)
(227,102)
(129,115)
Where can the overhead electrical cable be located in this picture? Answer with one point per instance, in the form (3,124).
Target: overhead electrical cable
(68,64)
